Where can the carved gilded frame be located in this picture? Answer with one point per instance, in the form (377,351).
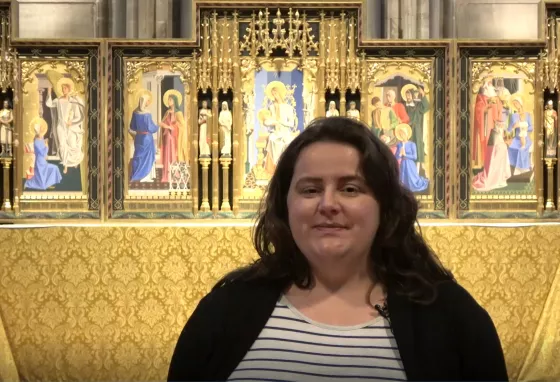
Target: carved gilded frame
(431,61)
(471,60)
(83,61)
(126,60)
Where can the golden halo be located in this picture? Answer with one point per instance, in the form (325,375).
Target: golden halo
(407,87)
(143,92)
(176,94)
(516,97)
(43,126)
(403,129)
(280,86)
(64,81)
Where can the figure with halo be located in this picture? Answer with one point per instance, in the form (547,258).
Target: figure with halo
(203,118)
(6,129)
(68,122)
(332,111)
(174,137)
(225,120)
(407,155)
(142,128)
(521,148)
(279,118)
(45,174)
(550,122)
(416,105)
(353,112)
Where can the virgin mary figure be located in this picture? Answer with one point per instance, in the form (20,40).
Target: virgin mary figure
(142,127)
(281,122)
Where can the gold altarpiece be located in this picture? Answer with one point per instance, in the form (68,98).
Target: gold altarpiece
(102,288)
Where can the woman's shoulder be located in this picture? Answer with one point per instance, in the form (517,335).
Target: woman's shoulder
(459,303)
(239,288)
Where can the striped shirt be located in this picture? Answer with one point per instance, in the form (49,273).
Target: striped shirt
(292,347)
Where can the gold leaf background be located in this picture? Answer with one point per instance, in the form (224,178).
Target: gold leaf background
(108,303)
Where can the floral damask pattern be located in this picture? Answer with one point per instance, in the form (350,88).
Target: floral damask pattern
(108,303)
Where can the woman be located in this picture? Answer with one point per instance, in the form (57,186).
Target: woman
(345,286)
(407,155)
(142,127)
(521,147)
(45,174)
(174,144)
(497,169)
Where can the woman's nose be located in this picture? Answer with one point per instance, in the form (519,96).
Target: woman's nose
(329,202)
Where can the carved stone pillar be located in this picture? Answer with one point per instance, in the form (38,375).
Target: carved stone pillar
(164,18)
(408,12)
(146,24)
(373,19)
(117,19)
(392,21)
(423,19)
(436,19)
(449,24)
(131,18)
(186,19)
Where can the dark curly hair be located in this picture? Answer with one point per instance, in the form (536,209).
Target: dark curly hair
(402,261)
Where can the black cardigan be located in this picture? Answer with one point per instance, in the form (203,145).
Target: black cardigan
(452,339)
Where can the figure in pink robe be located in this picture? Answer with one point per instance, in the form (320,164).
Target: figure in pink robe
(487,110)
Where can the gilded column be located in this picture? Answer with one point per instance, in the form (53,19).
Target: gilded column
(238,141)
(364,93)
(194,137)
(215,112)
(550,163)
(343,46)
(225,162)
(205,164)
(6,203)
(321,71)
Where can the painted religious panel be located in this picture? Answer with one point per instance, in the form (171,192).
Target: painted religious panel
(401,100)
(503,121)
(59,135)
(150,133)
(279,99)
(157,159)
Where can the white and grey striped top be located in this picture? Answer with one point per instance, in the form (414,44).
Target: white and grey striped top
(291,347)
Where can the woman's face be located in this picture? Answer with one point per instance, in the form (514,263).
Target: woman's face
(332,212)
(516,104)
(170,102)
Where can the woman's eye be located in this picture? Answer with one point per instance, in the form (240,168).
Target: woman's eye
(309,191)
(351,189)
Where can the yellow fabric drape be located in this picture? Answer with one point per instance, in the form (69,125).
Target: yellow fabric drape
(108,302)
(542,362)
(8,369)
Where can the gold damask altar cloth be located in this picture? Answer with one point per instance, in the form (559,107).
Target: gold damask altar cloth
(108,303)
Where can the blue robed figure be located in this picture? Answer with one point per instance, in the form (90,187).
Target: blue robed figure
(45,174)
(407,155)
(143,127)
(521,146)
